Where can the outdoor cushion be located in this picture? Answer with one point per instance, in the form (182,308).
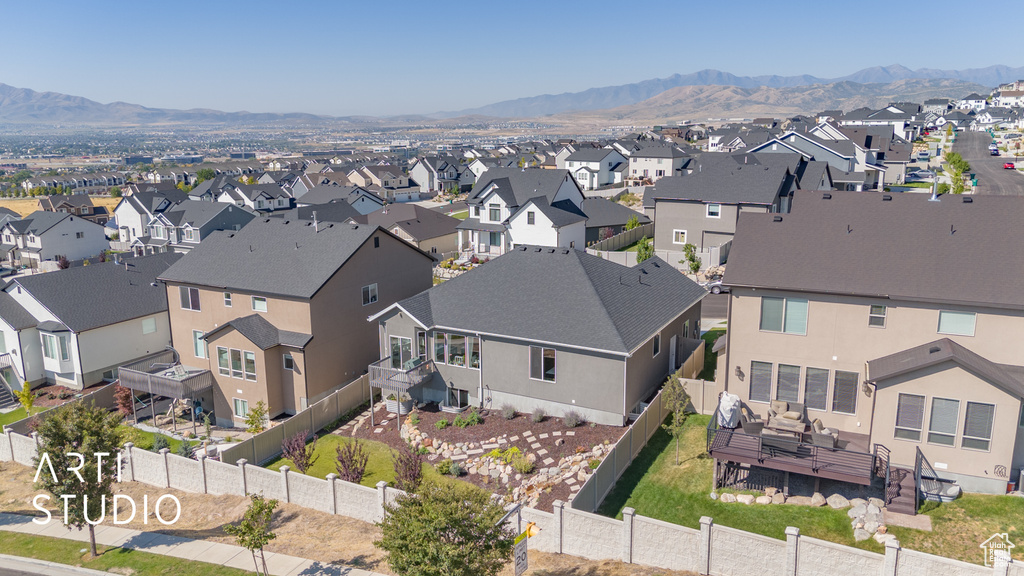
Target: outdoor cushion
(779,406)
(772,413)
(792,416)
(817,426)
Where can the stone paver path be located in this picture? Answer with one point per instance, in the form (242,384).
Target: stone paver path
(177,547)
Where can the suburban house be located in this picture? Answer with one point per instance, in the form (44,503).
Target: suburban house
(511,206)
(258,197)
(846,310)
(436,174)
(8,215)
(569,331)
(652,163)
(429,230)
(827,143)
(606,218)
(277,310)
(212,189)
(361,199)
(134,213)
(306,182)
(42,236)
(392,182)
(49,337)
(596,167)
(903,117)
(180,227)
(973,101)
(702,208)
(78,204)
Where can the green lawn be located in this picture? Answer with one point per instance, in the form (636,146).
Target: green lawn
(461,215)
(144,440)
(12,416)
(121,559)
(656,487)
(379,467)
(710,358)
(915,184)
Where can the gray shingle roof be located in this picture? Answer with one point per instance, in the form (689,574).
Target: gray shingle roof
(14,314)
(417,221)
(604,212)
(88,297)
(939,351)
(333,211)
(730,179)
(262,333)
(590,155)
(38,222)
(329,192)
(560,296)
(197,213)
(861,243)
(517,185)
(271,256)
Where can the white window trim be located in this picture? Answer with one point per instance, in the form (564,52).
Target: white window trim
(656,345)
(528,366)
(961,405)
(973,332)
(785,301)
(233,406)
(991,433)
(707,211)
(685,236)
(374,294)
(924,412)
(254,299)
(219,368)
(227,299)
(200,341)
(284,362)
(884,315)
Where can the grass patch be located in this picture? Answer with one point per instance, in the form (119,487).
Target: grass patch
(461,215)
(140,563)
(144,440)
(710,358)
(915,185)
(13,416)
(379,466)
(959,527)
(631,248)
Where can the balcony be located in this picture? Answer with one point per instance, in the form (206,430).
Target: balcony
(160,374)
(400,380)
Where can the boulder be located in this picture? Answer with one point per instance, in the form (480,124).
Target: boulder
(582,476)
(837,502)
(874,517)
(801,500)
(857,511)
(882,538)
(770,491)
(728,498)
(872,509)
(861,535)
(763,500)
(817,500)
(745,499)
(878,502)
(882,529)
(560,442)
(857,502)
(428,442)
(871,526)
(778,498)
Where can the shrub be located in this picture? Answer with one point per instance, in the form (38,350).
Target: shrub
(594,463)
(422,451)
(508,411)
(351,464)
(441,424)
(302,455)
(520,463)
(459,422)
(505,455)
(123,399)
(572,419)
(474,418)
(414,419)
(186,449)
(160,442)
(538,415)
(449,468)
(408,470)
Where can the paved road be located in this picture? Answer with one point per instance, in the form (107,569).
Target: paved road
(713,307)
(11,566)
(992,178)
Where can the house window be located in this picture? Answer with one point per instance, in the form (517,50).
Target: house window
(189,298)
(50,346)
(456,349)
(679,236)
(714,211)
(788,383)
(943,420)
(978,426)
(816,389)
(236,363)
(401,352)
(844,392)
(289,362)
(369,294)
(158,232)
(760,381)
(227,299)
(787,315)
(494,239)
(250,365)
(148,325)
(473,343)
(542,363)
(241,408)
(191,235)
(495,212)
(376,241)
(439,347)
(259,304)
(876,316)
(659,173)
(79,235)
(421,344)
(198,344)
(956,323)
(530,219)
(909,417)
(476,211)
(223,362)
(657,345)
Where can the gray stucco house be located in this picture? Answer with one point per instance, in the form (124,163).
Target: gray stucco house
(549,328)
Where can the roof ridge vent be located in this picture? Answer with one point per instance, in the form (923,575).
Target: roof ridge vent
(886,197)
(826,196)
(777,218)
(934,349)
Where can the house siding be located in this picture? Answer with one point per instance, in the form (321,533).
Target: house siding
(701,231)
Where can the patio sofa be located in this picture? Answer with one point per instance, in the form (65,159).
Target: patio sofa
(787,417)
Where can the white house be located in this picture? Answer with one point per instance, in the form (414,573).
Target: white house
(134,212)
(596,167)
(974,101)
(45,235)
(655,162)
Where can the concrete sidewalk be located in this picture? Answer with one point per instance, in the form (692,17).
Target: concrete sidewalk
(177,547)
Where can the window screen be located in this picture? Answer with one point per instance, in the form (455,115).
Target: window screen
(942,424)
(816,389)
(760,381)
(788,383)
(844,393)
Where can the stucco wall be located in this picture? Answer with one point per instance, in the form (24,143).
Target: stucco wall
(820,558)
(657,543)
(692,217)
(737,552)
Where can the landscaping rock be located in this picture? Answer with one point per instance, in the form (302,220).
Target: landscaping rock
(560,442)
(882,538)
(837,501)
(801,500)
(763,500)
(872,509)
(877,517)
(871,526)
(857,502)
(882,529)
(861,535)
(745,499)
(728,498)
(778,498)
(770,491)
(878,502)
(857,511)
(817,500)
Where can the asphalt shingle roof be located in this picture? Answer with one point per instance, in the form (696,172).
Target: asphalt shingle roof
(517,185)
(262,333)
(939,351)
(38,222)
(417,221)
(730,179)
(14,313)
(604,212)
(560,296)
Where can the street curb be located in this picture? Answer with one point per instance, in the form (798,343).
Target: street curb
(48,564)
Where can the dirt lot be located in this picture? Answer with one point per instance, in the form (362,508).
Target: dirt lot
(300,532)
(26,206)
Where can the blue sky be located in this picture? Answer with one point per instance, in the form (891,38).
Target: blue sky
(399,57)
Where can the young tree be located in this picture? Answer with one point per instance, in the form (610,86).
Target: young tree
(253,532)
(63,263)
(186,449)
(204,174)
(675,399)
(644,249)
(302,455)
(88,430)
(256,419)
(633,222)
(445,530)
(123,399)
(408,469)
(115,192)
(26,397)
(352,459)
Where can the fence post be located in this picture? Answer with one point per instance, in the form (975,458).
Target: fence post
(167,470)
(792,549)
(627,534)
(332,485)
(1001,565)
(706,525)
(131,459)
(202,470)
(284,482)
(892,555)
(241,462)
(382,497)
(558,507)
(10,441)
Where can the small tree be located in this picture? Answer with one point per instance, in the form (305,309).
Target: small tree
(644,249)
(633,222)
(207,427)
(352,459)
(63,263)
(103,256)
(675,399)
(88,430)
(115,192)
(186,449)
(26,397)
(204,174)
(447,529)
(256,419)
(160,442)
(253,532)
(302,455)
(123,400)
(408,469)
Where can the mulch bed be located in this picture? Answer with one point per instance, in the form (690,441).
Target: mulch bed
(495,426)
(44,393)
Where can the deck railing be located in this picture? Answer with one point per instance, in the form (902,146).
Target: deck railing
(398,380)
(159,374)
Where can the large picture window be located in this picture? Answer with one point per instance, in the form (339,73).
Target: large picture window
(542,363)
(978,426)
(223,363)
(440,348)
(909,417)
(760,381)
(401,352)
(943,420)
(456,349)
(786,315)
(844,392)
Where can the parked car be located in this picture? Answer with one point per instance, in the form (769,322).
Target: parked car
(715,286)
(1012,136)
(994,152)
(920,175)
(1009,166)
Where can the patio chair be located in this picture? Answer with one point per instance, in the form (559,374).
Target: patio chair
(750,422)
(821,436)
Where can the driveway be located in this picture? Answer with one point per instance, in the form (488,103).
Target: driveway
(992,178)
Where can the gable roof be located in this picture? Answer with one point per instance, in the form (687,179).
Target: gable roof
(517,185)
(604,212)
(333,211)
(55,200)
(14,313)
(262,333)
(38,222)
(198,213)
(102,294)
(417,221)
(834,242)
(943,350)
(329,192)
(561,213)
(559,296)
(149,202)
(729,179)
(590,155)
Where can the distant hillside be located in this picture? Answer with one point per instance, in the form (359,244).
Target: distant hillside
(703,102)
(614,96)
(24,106)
